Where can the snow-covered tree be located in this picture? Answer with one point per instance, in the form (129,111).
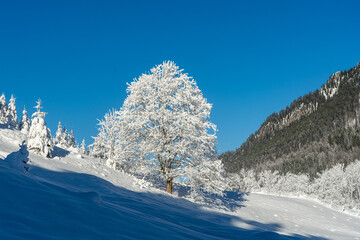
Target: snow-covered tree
(61,136)
(208,176)
(352,176)
(83,147)
(65,137)
(25,122)
(58,134)
(71,139)
(267,179)
(12,113)
(290,184)
(98,147)
(3,109)
(167,122)
(107,142)
(247,180)
(39,137)
(331,184)
(111,127)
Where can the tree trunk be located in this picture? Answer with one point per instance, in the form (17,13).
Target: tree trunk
(169,186)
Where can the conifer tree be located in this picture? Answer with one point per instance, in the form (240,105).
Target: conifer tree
(65,137)
(39,137)
(25,122)
(60,137)
(83,147)
(3,109)
(71,139)
(58,134)
(12,113)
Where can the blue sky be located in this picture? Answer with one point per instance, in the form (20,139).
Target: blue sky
(250,58)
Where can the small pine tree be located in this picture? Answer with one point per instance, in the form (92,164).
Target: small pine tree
(3,109)
(25,122)
(12,113)
(83,147)
(58,134)
(65,137)
(60,137)
(71,139)
(39,137)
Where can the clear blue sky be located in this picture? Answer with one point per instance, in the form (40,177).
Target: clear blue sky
(250,58)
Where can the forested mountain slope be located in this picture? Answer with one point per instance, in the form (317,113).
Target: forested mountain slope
(314,133)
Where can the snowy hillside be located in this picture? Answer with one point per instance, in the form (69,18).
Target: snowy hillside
(71,196)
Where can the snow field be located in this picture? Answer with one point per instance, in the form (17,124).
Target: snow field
(72,197)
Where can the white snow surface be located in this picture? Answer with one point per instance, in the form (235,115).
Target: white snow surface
(72,197)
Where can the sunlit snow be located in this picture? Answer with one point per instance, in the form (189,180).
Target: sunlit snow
(71,196)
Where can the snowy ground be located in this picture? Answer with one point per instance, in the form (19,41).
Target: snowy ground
(74,197)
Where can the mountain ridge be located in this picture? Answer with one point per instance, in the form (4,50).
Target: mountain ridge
(327,118)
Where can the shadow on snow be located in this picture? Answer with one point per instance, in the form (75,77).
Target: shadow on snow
(59,152)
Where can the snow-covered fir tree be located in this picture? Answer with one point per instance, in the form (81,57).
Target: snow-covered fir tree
(71,139)
(12,113)
(65,135)
(58,134)
(3,109)
(83,147)
(39,137)
(167,122)
(25,122)
(60,137)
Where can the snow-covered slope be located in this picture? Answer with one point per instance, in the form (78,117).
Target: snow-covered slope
(76,197)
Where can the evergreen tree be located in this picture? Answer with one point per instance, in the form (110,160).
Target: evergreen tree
(25,122)
(60,137)
(3,109)
(12,113)
(58,134)
(39,137)
(71,139)
(83,147)
(65,137)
